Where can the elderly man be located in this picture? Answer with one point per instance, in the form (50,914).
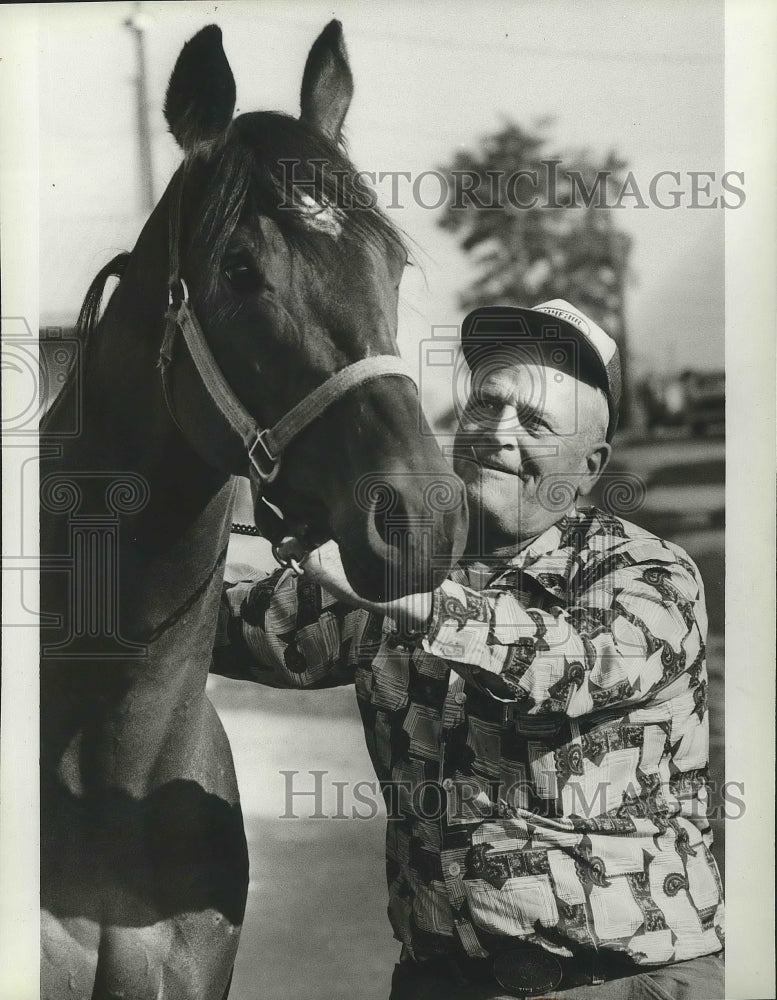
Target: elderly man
(539,723)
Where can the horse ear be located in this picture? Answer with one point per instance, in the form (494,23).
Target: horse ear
(201,94)
(327,84)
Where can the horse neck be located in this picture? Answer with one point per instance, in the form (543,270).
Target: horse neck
(173,508)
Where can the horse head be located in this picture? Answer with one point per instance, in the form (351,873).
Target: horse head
(293,274)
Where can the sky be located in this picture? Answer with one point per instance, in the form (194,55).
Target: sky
(644,80)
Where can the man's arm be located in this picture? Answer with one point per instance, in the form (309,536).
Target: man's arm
(284,631)
(632,629)
(624,639)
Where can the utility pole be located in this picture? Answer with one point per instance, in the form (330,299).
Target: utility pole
(136,23)
(620,247)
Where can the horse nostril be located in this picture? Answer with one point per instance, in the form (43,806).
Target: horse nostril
(415,525)
(423,516)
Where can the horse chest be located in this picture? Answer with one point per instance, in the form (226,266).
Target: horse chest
(143,856)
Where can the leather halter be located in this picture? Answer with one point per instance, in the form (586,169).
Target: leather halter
(264,446)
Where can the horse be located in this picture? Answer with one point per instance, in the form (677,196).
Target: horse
(252,332)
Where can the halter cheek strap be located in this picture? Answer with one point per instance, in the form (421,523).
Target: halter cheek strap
(264,447)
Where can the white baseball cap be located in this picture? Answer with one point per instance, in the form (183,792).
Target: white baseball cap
(597,360)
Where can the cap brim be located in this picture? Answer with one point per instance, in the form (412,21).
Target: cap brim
(491,328)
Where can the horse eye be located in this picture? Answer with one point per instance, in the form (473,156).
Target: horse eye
(242,276)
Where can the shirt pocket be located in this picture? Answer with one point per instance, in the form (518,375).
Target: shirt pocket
(509,890)
(388,681)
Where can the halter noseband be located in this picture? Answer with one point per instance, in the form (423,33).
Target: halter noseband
(264,446)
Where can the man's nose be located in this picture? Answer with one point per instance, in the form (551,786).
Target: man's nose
(502,429)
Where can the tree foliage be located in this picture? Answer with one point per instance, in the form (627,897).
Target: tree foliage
(538,224)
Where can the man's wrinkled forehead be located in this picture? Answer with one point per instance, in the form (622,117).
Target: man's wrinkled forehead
(536,385)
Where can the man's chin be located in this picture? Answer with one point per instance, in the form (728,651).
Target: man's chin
(501,514)
(496,490)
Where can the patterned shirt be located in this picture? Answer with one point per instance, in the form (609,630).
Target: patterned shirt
(542,748)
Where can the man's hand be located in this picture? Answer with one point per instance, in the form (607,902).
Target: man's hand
(323,565)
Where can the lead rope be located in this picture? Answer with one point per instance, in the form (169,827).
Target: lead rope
(286,553)
(245,529)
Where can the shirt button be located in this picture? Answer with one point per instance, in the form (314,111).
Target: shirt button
(447,784)
(454,869)
(460,698)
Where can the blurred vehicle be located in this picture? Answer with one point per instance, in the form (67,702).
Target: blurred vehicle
(685,493)
(696,400)
(705,399)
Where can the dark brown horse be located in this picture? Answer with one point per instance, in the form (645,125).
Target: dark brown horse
(267,251)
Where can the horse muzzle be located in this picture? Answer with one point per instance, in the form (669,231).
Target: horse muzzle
(404,534)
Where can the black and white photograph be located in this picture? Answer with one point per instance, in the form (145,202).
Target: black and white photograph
(388,500)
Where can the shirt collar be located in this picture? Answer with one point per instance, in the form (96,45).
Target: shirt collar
(530,560)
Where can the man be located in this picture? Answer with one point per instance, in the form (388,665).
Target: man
(539,723)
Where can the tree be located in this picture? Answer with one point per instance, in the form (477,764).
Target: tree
(540,225)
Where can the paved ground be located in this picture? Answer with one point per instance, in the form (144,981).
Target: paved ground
(316,927)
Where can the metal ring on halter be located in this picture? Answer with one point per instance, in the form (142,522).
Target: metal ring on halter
(287,562)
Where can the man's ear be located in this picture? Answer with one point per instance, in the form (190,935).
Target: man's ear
(327,83)
(596,461)
(200,97)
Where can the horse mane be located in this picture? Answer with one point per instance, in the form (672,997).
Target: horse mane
(249,176)
(89,314)
(243,180)
(88,318)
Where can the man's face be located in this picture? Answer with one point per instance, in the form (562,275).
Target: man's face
(531,439)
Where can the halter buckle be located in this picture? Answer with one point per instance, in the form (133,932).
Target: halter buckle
(265,474)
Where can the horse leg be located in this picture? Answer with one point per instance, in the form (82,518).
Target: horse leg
(68,956)
(177,959)
(130,962)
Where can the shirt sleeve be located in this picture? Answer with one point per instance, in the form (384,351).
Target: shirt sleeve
(622,636)
(285,631)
